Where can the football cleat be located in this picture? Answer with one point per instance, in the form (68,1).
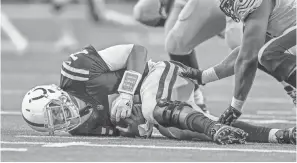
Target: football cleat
(223,134)
(286,136)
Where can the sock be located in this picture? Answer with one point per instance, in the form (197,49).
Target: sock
(209,75)
(188,60)
(198,122)
(256,133)
(292,79)
(272,138)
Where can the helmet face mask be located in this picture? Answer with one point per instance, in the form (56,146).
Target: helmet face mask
(227,6)
(61,115)
(55,110)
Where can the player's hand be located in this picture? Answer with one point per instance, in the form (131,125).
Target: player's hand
(133,122)
(122,107)
(229,116)
(189,72)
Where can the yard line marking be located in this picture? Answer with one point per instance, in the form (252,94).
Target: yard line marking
(65,144)
(268,121)
(268,116)
(46,144)
(14,149)
(275,112)
(10,113)
(67,137)
(24,143)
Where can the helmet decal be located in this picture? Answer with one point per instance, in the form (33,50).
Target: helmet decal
(39,97)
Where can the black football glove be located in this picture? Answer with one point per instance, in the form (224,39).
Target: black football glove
(229,116)
(189,72)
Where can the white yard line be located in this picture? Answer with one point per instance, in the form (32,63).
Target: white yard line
(10,113)
(14,149)
(275,112)
(263,116)
(87,144)
(67,137)
(268,121)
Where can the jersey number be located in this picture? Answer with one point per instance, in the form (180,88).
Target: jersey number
(81,52)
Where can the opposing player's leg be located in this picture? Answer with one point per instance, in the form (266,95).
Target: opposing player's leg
(263,134)
(275,58)
(198,21)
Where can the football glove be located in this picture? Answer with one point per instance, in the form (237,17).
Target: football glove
(122,106)
(189,72)
(229,116)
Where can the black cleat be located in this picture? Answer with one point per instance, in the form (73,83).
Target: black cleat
(287,136)
(223,134)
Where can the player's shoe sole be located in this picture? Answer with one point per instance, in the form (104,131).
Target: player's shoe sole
(230,135)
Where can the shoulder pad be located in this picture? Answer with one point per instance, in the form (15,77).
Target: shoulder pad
(243,8)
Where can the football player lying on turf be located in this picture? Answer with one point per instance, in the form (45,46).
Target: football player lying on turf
(85,105)
(269,31)
(188,23)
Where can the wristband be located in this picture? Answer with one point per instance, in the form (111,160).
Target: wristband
(209,75)
(237,104)
(129,82)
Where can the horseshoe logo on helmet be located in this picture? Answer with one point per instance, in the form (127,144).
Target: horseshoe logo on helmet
(39,97)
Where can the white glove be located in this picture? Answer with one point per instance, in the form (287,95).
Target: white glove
(121,107)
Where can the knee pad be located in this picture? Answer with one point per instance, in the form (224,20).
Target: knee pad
(172,113)
(279,65)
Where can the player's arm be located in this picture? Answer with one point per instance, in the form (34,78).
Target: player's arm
(253,39)
(132,58)
(247,61)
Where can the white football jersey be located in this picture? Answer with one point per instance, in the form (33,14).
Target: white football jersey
(282,17)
